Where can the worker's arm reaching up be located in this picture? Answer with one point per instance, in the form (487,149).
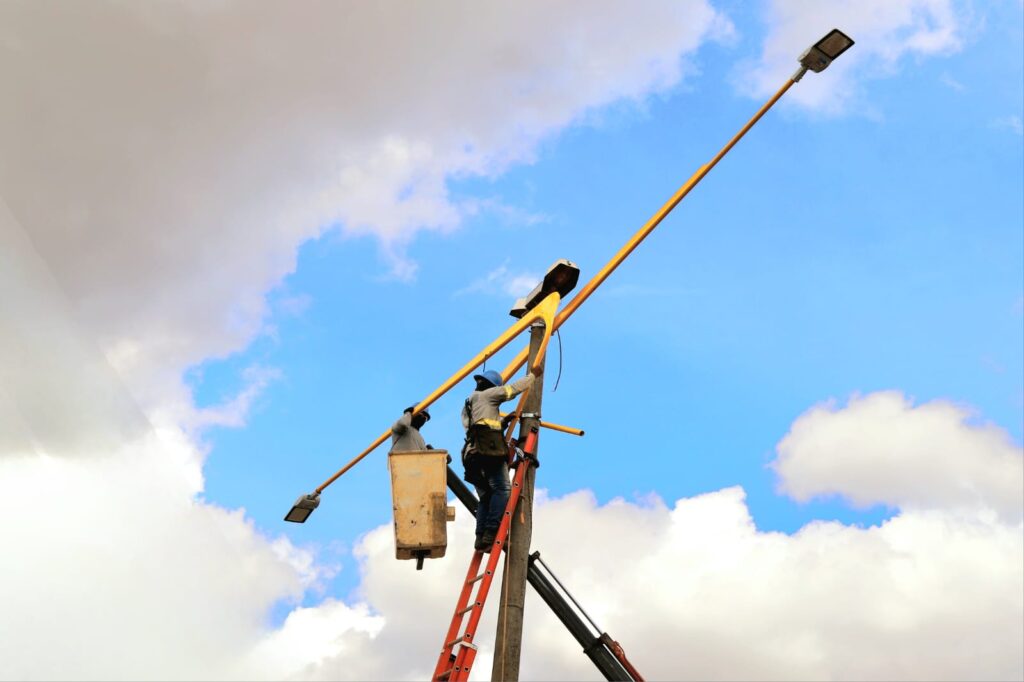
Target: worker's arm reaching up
(482,405)
(500,394)
(405,433)
(403,424)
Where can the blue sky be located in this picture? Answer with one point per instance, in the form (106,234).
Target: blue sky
(830,254)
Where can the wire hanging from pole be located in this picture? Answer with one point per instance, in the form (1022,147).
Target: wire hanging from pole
(558,333)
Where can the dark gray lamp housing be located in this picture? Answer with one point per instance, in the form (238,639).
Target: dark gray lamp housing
(818,56)
(561,277)
(302,508)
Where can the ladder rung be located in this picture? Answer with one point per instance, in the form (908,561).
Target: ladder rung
(468,608)
(473,580)
(452,643)
(445,675)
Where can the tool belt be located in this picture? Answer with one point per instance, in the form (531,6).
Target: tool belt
(484,440)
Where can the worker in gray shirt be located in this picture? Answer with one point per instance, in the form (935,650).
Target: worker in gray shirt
(485,454)
(405,433)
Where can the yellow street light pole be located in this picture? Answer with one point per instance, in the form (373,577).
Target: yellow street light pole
(545,311)
(816,58)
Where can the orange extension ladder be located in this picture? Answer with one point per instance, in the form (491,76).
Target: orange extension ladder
(453,666)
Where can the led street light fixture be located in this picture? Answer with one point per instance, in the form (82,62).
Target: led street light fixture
(303,507)
(818,56)
(561,277)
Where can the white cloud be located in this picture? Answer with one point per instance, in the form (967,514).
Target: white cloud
(502,281)
(234,411)
(952,83)
(112,570)
(881,449)
(508,215)
(696,591)
(166,160)
(58,393)
(1012,123)
(295,306)
(885,31)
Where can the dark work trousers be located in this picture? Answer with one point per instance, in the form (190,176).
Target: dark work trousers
(489,475)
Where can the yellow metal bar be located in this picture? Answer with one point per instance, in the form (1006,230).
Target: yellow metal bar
(649,226)
(544,312)
(559,427)
(563,429)
(580,297)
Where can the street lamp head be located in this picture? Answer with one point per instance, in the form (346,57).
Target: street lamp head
(818,56)
(561,277)
(302,508)
(518,308)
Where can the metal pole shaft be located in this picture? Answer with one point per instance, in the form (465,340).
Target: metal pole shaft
(508,640)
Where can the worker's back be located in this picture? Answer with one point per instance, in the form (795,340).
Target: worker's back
(482,407)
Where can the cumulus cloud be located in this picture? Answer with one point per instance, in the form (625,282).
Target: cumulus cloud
(58,393)
(166,160)
(112,570)
(694,590)
(881,449)
(886,32)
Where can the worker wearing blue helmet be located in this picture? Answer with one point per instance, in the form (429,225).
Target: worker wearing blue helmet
(485,454)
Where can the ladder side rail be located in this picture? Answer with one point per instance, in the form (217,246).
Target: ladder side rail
(606,663)
(467,654)
(444,661)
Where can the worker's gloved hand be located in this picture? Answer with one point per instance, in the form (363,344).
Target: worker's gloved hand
(429,446)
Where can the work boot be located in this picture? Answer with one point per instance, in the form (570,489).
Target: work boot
(480,545)
(487,541)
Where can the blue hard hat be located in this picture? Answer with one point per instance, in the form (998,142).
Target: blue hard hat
(490,376)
